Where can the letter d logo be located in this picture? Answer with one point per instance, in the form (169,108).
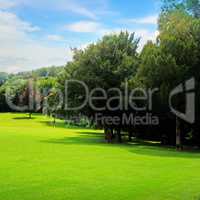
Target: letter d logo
(189,115)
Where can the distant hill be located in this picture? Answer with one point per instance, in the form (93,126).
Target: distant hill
(42,72)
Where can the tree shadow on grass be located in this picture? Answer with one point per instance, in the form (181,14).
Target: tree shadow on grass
(137,147)
(92,133)
(79,140)
(145,148)
(155,149)
(51,124)
(61,124)
(23,118)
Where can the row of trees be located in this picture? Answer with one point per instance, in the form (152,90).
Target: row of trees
(114,62)
(173,59)
(22,86)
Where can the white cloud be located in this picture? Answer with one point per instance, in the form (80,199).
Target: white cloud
(78,9)
(151,20)
(84,27)
(56,38)
(91,9)
(10,21)
(18,52)
(60,5)
(100,30)
(5,4)
(91,27)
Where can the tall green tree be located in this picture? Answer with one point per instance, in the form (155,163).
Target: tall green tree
(172,60)
(106,64)
(191,6)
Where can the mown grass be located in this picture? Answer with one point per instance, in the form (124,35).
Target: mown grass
(42,162)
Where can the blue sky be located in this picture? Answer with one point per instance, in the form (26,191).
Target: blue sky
(38,33)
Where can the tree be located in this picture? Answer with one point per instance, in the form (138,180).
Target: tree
(31,97)
(157,69)
(191,6)
(21,95)
(106,64)
(172,60)
(14,89)
(53,103)
(171,5)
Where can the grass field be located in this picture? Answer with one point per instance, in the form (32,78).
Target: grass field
(41,162)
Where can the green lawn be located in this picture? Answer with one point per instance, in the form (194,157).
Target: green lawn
(41,162)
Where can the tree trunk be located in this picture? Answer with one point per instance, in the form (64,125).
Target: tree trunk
(112,133)
(54,121)
(130,135)
(119,137)
(30,115)
(108,135)
(178,134)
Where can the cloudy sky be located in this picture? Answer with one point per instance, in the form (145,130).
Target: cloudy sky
(38,33)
